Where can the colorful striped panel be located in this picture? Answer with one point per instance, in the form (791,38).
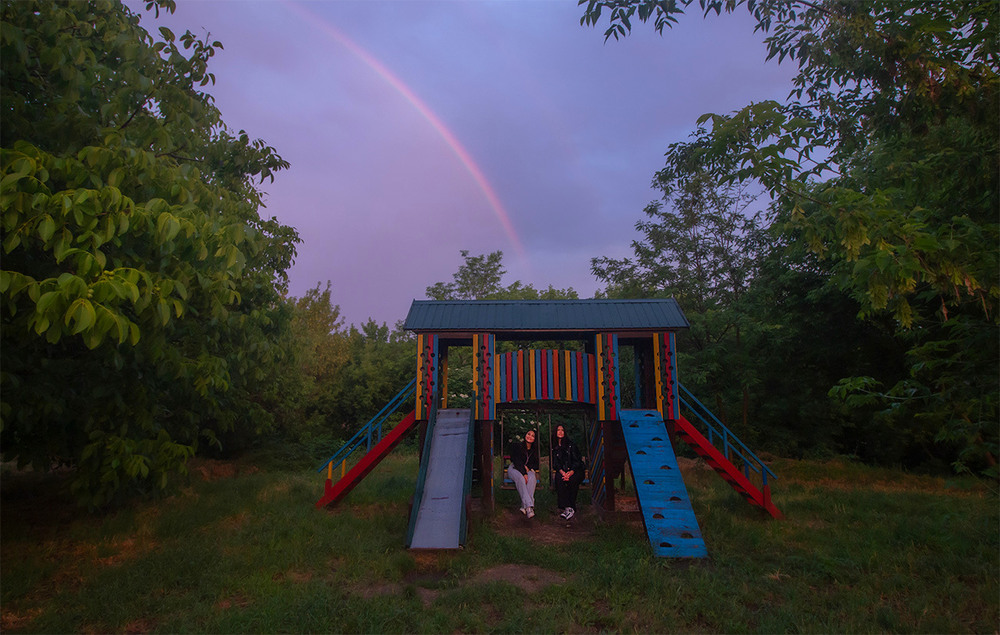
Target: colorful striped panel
(545,375)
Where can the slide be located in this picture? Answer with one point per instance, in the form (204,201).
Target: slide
(438,520)
(663,499)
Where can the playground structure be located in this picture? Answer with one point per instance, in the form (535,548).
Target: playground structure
(587,374)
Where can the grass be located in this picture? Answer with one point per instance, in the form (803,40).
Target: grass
(244,550)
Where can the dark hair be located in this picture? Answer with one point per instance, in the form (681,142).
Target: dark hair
(555,437)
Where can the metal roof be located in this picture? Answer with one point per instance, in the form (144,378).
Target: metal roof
(545,315)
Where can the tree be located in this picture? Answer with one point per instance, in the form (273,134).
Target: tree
(319,343)
(479,278)
(380,362)
(142,314)
(885,155)
(701,246)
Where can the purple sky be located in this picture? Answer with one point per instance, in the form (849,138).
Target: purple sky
(416,129)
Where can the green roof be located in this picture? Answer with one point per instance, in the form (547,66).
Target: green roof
(544,315)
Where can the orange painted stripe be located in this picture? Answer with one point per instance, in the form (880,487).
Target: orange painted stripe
(531,371)
(496,379)
(567,368)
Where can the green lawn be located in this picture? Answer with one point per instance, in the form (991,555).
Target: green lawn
(244,550)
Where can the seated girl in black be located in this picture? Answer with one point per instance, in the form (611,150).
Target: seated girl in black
(568,468)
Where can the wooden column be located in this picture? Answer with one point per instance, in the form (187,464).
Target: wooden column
(665,357)
(608,377)
(483,345)
(427,375)
(485,438)
(484,383)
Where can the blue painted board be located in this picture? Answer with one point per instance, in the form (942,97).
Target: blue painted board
(663,498)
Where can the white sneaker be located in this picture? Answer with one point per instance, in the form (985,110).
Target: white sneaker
(569,513)
(531,512)
(524,510)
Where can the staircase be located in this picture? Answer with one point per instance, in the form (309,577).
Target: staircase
(734,462)
(369,434)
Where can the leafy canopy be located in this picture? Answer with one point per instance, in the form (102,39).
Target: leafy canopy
(480,277)
(140,285)
(885,156)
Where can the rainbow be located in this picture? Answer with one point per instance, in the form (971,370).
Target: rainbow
(418,104)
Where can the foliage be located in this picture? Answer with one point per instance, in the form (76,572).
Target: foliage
(699,246)
(141,287)
(885,156)
(479,278)
(380,361)
(319,346)
(338,377)
(316,318)
(806,335)
(697,242)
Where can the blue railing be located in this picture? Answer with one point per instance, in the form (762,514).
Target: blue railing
(730,443)
(371,433)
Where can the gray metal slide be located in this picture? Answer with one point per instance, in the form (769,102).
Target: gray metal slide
(438,517)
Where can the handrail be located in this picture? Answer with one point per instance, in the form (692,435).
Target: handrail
(727,436)
(374,425)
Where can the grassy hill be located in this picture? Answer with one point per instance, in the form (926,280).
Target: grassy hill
(241,549)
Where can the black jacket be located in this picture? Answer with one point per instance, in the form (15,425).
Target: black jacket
(566,457)
(522,459)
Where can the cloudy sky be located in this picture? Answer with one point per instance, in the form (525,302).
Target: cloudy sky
(418,128)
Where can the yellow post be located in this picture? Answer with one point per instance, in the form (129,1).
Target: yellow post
(343,468)
(329,471)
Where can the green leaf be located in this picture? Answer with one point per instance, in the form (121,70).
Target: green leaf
(163,311)
(46,227)
(11,242)
(46,301)
(82,313)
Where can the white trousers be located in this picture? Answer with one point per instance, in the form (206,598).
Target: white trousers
(526,490)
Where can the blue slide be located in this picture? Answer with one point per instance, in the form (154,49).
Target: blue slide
(663,498)
(438,520)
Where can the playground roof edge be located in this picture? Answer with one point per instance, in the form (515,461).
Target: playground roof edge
(545,315)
